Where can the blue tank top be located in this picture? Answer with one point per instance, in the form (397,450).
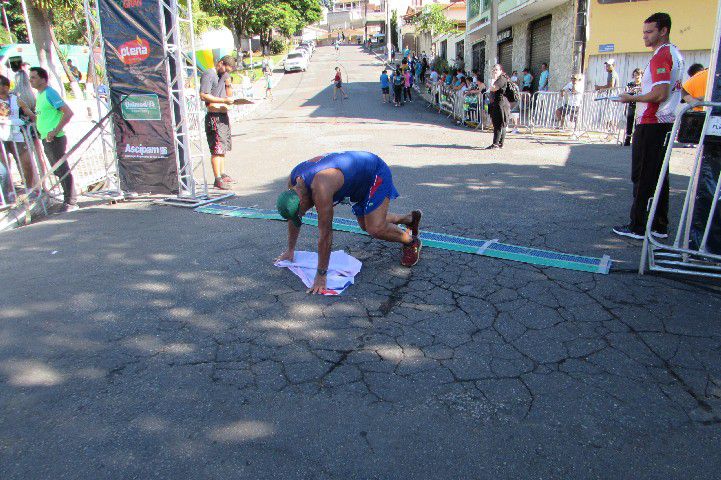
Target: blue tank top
(358,168)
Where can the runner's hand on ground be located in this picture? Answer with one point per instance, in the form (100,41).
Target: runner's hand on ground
(318,287)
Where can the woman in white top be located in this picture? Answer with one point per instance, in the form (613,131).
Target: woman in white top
(13,142)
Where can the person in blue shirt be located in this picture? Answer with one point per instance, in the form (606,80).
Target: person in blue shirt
(367,181)
(385,86)
(449,79)
(406,52)
(543,78)
(527,80)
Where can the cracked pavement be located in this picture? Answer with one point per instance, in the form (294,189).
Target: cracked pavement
(139,341)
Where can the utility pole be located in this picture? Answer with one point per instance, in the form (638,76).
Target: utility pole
(388,30)
(494,32)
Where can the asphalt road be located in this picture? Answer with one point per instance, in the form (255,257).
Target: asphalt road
(139,341)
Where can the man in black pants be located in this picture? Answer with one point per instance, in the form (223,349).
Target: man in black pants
(655,114)
(52,114)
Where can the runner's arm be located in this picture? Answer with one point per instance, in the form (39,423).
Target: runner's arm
(323,201)
(658,94)
(208,98)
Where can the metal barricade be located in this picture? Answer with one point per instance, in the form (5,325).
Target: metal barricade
(521,112)
(544,108)
(472,108)
(598,114)
(695,249)
(30,180)
(446,98)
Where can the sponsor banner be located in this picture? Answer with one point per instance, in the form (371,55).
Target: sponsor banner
(136,72)
(140,108)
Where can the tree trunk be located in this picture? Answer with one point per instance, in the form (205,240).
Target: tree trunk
(74,85)
(40,24)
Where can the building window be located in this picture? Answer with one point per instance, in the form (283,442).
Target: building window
(444,50)
(460,52)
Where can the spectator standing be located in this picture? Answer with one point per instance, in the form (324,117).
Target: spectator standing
(268,79)
(527,81)
(75,71)
(632,88)
(10,134)
(22,82)
(514,77)
(424,68)
(572,94)
(612,80)
(214,93)
(499,108)
(407,86)
(694,90)
(656,111)
(398,82)
(52,115)
(385,86)
(543,78)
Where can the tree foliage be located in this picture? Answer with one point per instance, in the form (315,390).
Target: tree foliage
(273,15)
(433,20)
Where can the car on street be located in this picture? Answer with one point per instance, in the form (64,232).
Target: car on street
(305,48)
(296,61)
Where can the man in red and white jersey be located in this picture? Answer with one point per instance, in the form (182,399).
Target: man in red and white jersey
(655,114)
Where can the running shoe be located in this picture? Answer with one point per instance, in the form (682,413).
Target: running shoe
(411,253)
(659,234)
(227,178)
(625,231)
(220,184)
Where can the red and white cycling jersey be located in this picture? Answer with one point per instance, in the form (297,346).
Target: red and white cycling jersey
(666,66)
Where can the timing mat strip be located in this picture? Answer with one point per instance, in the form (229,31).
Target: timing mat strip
(488,248)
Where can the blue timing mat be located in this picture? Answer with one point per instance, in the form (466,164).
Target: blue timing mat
(488,248)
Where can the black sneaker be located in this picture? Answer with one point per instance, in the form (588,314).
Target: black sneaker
(625,231)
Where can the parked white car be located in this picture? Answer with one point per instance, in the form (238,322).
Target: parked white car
(296,61)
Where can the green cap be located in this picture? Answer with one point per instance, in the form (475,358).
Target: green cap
(288,204)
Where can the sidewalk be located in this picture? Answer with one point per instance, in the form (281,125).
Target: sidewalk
(242,112)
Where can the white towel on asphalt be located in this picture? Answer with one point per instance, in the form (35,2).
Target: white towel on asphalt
(342,270)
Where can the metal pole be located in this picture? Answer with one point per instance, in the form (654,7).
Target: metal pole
(388,30)
(5,18)
(494,32)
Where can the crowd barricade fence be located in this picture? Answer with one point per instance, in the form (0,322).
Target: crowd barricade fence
(31,182)
(695,249)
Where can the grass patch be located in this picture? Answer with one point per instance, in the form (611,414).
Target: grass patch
(256,73)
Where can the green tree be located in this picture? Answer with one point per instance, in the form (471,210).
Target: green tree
(433,20)
(203,21)
(394,29)
(308,11)
(16,19)
(237,14)
(273,15)
(41,13)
